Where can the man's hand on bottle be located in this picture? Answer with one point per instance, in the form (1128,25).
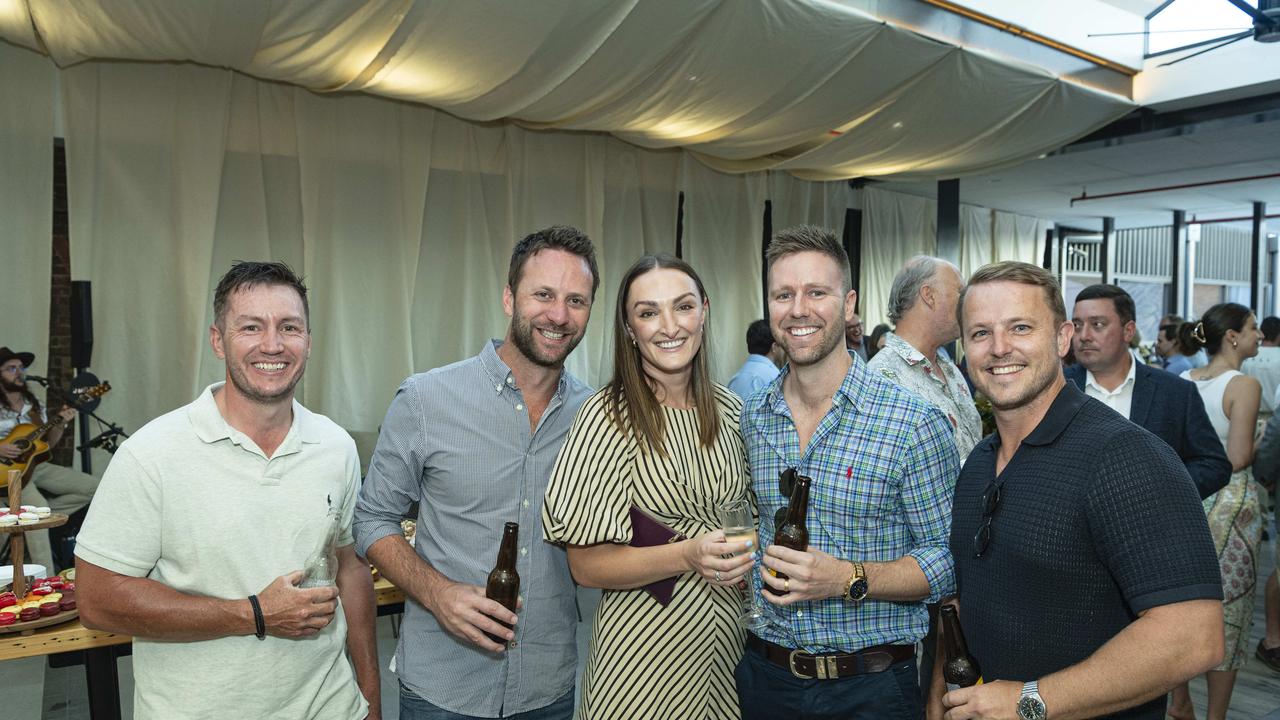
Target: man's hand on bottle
(996,700)
(811,575)
(289,611)
(467,614)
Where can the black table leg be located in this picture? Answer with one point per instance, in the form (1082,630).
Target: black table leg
(104,683)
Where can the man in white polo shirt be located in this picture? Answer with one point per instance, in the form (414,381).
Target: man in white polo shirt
(205,519)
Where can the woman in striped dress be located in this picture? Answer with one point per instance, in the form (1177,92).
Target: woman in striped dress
(663,437)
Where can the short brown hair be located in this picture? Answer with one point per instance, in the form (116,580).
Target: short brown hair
(809,238)
(245,274)
(1022,273)
(557,237)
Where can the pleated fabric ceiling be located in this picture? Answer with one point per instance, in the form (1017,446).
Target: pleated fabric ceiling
(811,87)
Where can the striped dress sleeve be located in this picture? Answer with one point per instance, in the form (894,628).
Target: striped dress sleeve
(587,500)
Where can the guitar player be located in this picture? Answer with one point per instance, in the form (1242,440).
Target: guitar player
(62,489)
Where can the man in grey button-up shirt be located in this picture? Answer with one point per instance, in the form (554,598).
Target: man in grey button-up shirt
(474,443)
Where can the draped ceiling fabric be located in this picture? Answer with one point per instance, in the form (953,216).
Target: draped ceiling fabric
(402,218)
(807,86)
(403,214)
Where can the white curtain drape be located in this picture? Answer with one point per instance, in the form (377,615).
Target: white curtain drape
(895,226)
(26,199)
(1018,237)
(402,217)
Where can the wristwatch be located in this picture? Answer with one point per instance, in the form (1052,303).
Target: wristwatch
(1031,705)
(855,588)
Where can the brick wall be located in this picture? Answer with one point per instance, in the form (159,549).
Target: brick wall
(59,357)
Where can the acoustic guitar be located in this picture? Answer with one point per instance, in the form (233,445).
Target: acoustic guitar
(30,438)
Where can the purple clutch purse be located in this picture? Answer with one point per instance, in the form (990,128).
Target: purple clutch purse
(647,531)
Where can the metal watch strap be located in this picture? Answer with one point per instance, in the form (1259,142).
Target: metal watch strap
(859,573)
(1030,704)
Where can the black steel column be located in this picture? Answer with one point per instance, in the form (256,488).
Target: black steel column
(1176,262)
(1047,262)
(680,226)
(1255,267)
(949,220)
(852,237)
(1104,251)
(764,251)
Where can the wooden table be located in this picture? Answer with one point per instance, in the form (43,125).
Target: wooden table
(101,649)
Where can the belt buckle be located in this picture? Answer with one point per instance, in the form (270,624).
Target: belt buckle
(791,660)
(825,666)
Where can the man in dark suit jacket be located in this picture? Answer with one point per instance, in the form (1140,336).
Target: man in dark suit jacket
(1165,405)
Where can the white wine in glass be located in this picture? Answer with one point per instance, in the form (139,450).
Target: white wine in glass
(738,522)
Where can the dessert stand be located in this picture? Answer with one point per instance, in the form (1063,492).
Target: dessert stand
(17,548)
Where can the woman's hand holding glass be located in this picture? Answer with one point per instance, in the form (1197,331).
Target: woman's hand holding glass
(720,561)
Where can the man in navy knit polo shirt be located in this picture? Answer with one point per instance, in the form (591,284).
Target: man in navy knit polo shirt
(1088,584)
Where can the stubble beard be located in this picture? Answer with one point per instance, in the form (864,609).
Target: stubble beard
(522,335)
(242,385)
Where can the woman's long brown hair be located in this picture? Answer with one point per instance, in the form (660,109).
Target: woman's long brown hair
(631,402)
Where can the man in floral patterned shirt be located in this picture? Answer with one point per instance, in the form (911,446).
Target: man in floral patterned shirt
(922,306)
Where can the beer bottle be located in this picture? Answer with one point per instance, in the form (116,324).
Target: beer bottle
(793,533)
(503,586)
(960,668)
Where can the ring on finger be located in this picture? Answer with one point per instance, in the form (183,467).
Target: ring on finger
(786,585)
(718,576)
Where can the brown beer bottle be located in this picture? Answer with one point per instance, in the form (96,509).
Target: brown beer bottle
(960,669)
(503,586)
(793,533)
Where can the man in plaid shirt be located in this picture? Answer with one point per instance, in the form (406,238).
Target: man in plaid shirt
(841,640)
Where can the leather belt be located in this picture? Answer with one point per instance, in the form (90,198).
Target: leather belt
(806,666)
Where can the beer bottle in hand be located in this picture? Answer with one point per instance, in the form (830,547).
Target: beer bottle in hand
(793,533)
(960,669)
(503,586)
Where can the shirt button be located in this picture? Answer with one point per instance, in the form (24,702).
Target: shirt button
(510,381)
(513,645)
(524,551)
(799,613)
(519,407)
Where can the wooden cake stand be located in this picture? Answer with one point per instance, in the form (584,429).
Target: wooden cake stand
(17,550)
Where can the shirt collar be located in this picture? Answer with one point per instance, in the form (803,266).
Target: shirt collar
(903,349)
(1060,414)
(1128,379)
(211,427)
(850,390)
(500,375)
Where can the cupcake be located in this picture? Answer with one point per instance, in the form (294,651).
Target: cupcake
(7,619)
(42,511)
(8,519)
(29,614)
(68,602)
(28,518)
(27,508)
(49,609)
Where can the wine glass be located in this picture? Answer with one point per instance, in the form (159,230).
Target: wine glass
(739,525)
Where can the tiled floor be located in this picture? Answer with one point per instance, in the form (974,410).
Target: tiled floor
(31,689)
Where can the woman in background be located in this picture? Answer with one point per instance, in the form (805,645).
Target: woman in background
(1229,332)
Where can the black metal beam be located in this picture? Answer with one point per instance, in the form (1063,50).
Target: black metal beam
(852,237)
(1255,266)
(948,234)
(1175,267)
(1104,252)
(1047,261)
(764,260)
